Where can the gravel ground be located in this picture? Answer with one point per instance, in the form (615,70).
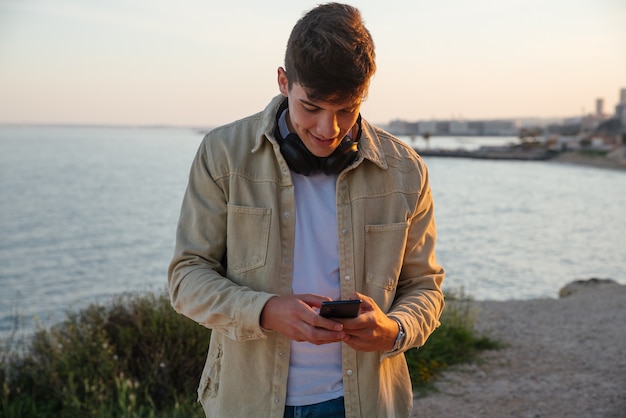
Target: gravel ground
(563,358)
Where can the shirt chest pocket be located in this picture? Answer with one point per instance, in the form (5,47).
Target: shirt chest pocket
(247,237)
(384,252)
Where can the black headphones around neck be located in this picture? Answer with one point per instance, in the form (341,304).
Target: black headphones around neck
(302,161)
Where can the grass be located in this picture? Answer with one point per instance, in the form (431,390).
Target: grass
(136,357)
(454,342)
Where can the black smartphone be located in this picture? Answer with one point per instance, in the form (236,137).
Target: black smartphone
(340,308)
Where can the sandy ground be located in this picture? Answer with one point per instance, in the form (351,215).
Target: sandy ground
(615,160)
(564,358)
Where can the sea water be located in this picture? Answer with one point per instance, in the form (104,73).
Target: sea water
(88,213)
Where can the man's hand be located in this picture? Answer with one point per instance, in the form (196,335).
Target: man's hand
(372,330)
(295,318)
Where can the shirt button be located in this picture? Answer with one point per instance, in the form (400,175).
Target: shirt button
(276,401)
(344,231)
(349,372)
(286,214)
(281,353)
(347,278)
(343,186)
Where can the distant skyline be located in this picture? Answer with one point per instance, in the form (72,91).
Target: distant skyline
(199,63)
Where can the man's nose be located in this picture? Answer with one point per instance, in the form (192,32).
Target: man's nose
(328,127)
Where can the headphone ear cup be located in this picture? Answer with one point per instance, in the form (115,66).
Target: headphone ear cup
(297,156)
(345,153)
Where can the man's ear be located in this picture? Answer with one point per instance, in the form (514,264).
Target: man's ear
(283,82)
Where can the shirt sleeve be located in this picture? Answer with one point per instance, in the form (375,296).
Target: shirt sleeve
(419,300)
(197,283)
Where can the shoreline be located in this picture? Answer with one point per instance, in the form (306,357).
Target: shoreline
(613,162)
(562,358)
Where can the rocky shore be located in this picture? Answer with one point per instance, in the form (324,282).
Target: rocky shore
(563,357)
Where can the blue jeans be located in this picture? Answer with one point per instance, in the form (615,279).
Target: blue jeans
(329,409)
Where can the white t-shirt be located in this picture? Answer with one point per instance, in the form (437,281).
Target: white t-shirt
(315,373)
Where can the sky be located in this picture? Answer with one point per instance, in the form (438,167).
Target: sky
(204,63)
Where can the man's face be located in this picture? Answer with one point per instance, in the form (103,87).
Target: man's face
(320,125)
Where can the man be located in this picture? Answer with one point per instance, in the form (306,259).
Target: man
(302,203)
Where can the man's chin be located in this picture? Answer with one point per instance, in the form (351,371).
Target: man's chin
(322,151)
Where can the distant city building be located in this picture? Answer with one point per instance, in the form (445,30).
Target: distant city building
(620,109)
(455,127)
(572,126)
(600,108)
(459,127)
(401,127)
(443,128)
(426,127)
(500,127)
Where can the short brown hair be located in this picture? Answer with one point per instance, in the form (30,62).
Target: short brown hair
(330,53)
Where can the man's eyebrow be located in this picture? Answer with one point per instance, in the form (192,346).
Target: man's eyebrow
(306,102)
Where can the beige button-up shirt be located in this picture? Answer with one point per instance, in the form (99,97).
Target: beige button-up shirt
(234,251)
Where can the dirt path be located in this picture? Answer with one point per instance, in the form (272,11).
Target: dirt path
(565,358)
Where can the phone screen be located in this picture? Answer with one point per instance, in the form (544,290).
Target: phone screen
(340,308)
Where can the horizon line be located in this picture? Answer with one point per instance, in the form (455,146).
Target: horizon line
(200,126)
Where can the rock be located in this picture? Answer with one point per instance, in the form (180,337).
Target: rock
(584,285)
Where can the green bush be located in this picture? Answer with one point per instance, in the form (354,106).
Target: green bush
(454,342)
(136,357)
